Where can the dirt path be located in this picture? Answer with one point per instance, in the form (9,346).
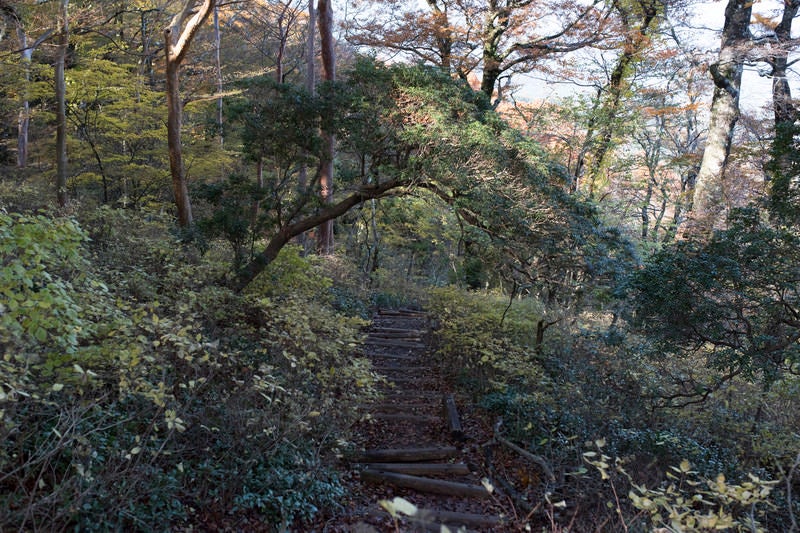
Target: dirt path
(420,443)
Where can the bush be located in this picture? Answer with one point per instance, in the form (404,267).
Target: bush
(139,395)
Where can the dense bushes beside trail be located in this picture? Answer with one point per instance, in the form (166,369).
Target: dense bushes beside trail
(136,393)
(586,402)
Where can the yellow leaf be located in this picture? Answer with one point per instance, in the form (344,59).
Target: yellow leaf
(400,505)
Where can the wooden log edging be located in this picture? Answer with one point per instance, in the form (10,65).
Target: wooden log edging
(406,455)
(390,343)
(453,518)
(424,484)
(420,468)
(404,417)
(452,418)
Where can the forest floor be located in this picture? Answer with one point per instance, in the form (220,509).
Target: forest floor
(428,444)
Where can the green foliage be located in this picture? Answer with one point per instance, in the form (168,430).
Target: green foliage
(284,493)
(784,192)
(732,300)
(668,446)
(279,122)
(292,276)
(118,121)
(471,338)
(230,200)
(176,400)
(41,258)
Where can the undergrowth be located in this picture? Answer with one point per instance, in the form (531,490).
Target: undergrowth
(728,463)
(137,393)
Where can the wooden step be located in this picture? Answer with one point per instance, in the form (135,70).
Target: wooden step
(393,336)
(410,379)
(455,519)
(396,407)
(404,396)
(406,417)
(424,484)
(459,469)
(402,331)
(407,455)
(394,344)
(402,312)
(389,367)
(396,356)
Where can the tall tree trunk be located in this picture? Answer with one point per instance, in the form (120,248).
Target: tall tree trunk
(311,52)
(61,104)
(708,200)
(327,44)
(24,120)
(180,190)
(177,39)
(218,64)
(444,35)
(147,53)
(644,210)
(495,26)
(784,153)
(310,82)
(608,114)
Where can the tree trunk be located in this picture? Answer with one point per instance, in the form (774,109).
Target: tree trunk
(311,83)
(218,64)
(325,233)
(444,36)
(708,200)
(176,44)
(636,42)
(311,53)
(180,190)
(495,26)
(784,155)
(61,105)
(24,120)
(423,484)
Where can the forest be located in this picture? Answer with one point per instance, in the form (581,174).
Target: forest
(204,204)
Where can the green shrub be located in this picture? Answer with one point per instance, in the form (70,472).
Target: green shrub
(158,398)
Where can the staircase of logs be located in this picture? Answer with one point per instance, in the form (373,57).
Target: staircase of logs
(417,445)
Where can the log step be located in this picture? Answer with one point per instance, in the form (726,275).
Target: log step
(424,484)
(395,407)
(407,455)
(394,344)
(403,368)
(404,331)
(408,379)
(410,313)
(459,469)
(393,336)
(405,417)
(398,357)
(404,396)
(456,519)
